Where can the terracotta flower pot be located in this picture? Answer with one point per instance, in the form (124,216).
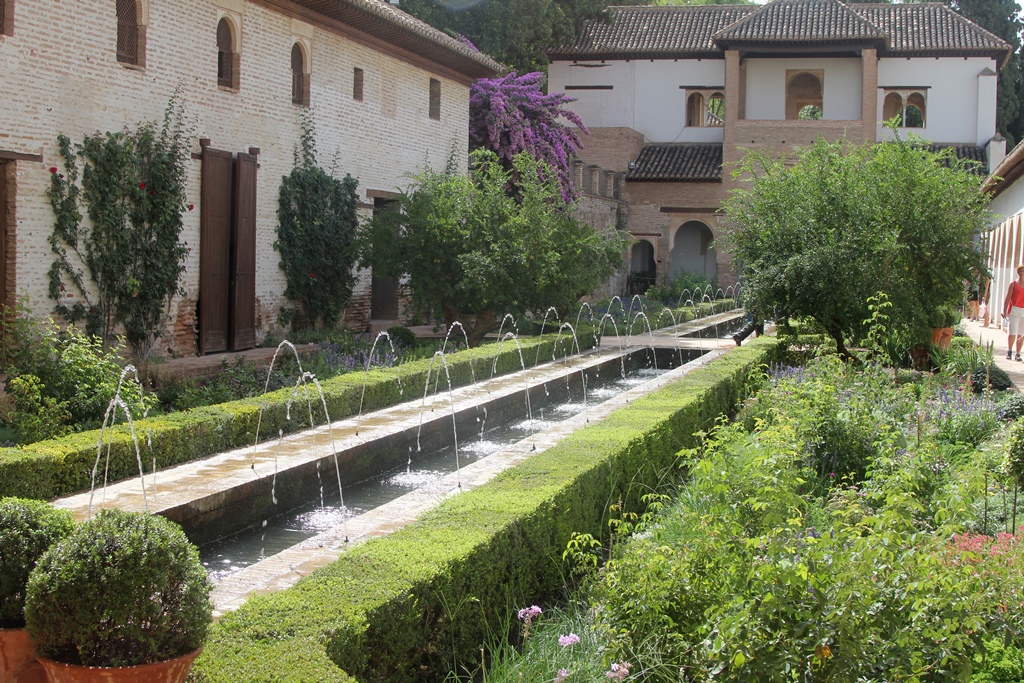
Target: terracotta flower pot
(942,337)
(170,671)
(17,662)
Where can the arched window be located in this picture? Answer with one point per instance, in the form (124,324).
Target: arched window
(131,34)
(914,117)
(227,56)
(892,107)
(716,110)
(300,77)
(906,106)
(804,89)
(695,110)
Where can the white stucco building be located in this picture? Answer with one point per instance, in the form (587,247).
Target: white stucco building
(671,94)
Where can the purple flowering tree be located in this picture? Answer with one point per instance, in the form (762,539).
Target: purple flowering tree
(512,114)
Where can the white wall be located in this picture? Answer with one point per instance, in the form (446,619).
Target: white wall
(766,87)
(598,108)
(661,103)
(645,95)
(952,102)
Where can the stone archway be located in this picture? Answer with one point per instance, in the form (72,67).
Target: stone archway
(693,251)
(643,270)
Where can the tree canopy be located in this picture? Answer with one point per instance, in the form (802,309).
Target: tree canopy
(318,223)
(517,33)
(817,238)
(512,114)
(471,252)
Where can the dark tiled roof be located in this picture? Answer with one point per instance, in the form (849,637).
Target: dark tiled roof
(970,153)
(691,31)
(664,33)
(930,28)
(792,22)
(680,162)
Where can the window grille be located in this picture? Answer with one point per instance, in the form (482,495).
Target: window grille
(357,84)
(127,32)
(225,55)
(435,99)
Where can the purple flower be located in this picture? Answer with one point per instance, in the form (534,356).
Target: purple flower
(512,114)
(562,675)
(527,614)
(566,641)
(618,672)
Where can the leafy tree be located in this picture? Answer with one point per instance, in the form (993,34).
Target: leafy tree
(133,189)
(472,252)
(316,235)
(512,114)
(818,238)
(517,33)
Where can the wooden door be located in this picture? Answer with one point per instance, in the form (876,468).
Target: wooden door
(243,257)
(215,250)
(383,290)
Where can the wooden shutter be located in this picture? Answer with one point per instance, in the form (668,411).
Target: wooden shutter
(215,250)
(243,290)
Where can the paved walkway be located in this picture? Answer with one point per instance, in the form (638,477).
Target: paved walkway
(990,335)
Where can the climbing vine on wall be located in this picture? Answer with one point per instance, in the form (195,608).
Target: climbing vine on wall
(318,222)
(123,265)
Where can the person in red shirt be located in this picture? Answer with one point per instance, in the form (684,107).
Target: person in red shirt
(1013,309)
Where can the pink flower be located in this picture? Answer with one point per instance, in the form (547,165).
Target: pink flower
(562,675)
(528,613)
(618,672)
(566,641)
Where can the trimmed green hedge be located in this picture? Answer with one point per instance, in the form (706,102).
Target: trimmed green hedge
(57,467)
(399,608)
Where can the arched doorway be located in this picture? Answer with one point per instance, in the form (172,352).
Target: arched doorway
(693,251)
(642,269)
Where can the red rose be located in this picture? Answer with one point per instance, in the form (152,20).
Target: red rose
(53,169)
(191,206)
(312,276)
(142,186)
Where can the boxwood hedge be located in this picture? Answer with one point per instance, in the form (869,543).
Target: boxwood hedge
(57,467)
(421,602)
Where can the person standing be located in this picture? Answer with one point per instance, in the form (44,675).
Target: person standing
(1013,309)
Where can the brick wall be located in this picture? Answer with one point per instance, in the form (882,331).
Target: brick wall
(60,75)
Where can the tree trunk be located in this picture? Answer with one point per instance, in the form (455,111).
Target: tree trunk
(836,332)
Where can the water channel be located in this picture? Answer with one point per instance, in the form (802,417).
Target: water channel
(481,431)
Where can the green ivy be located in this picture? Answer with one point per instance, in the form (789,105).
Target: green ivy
(124,264)
(317,227)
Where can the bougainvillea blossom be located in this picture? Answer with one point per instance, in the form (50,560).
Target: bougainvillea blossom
(512,114)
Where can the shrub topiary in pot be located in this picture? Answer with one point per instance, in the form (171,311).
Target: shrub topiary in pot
(124,590)
(27,529)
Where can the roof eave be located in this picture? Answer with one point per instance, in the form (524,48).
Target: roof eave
(557,56)
(404,31)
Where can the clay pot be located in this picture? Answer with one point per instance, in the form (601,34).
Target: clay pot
(942,337)
(17,662)
(170,671)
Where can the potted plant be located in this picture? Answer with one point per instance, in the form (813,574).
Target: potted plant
(27,529)
(123,598)
(942,321)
